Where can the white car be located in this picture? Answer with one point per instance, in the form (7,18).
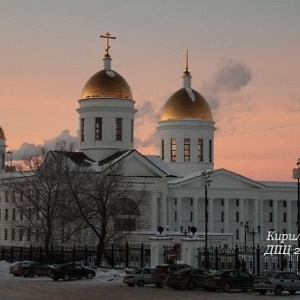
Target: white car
(138,277)
(277,282)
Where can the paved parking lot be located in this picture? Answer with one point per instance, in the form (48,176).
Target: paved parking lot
(46,289)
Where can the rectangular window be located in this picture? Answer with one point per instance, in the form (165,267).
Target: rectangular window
(173,150)
(175,201)
(6,214)
(28,235)
(21,234)
(200,149)
(237,202)
(187,149)
(163,149)
(191,216)
(237,216)
(192,201)
(13,197)
(118,129)
(270,203)
(210,150)
(222,216)
(82,129)
(271,217)
(284,217)
(13,234)
(132,131)
(5,234)
(284,203)
(222,202)
(175,216)
(98,129)
(6,196)
(237,234)
(14,214)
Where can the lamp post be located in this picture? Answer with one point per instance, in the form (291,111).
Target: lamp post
(246,226)
(253,233)
(206,177)
(296,175)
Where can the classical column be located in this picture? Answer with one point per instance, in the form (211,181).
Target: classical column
(163,210)
(255,214)
(195,212)
(211,215)
(289,216)
(179,213)
(153,217)
(241,211)
(226,215)
(262,236)
(275,214)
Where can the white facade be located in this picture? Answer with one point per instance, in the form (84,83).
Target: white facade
(175,193)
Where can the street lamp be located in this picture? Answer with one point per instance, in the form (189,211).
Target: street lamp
(246,226)
(253,233)
(296,175)
(206,180)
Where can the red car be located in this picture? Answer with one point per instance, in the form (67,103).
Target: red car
(227,280)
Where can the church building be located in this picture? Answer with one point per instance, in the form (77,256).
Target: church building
(183,189)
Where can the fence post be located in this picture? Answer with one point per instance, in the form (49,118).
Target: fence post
(126,255)
(11,253)
(51,254)
(142,255)
(258,259)
(112,255)
(216,258)
(74,254)
(30,252)
(236,257)
(62,254)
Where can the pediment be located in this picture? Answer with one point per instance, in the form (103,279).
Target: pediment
(221,178)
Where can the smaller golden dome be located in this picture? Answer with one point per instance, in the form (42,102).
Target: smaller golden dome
(106,84)
(186,103)
(2,135)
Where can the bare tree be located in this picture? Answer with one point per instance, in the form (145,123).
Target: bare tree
(106,202)
(38,192)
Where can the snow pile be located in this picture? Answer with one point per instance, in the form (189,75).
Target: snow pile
(109,275)
(4,268)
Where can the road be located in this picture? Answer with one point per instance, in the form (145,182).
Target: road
(46,289)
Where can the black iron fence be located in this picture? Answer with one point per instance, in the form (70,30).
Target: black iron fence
(255,260)
(128,255)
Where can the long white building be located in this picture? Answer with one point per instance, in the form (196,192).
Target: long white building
(174,179)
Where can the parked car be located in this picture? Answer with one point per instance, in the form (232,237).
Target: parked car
(138,277)
(71,271)
(227,280)
(187,279)
(162,272)
(277,282)
(35,269)
(16,268)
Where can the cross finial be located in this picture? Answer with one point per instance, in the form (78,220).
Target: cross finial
(107,36)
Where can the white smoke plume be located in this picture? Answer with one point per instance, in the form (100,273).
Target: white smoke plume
(63,141)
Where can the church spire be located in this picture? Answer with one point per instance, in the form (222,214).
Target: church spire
(187,78)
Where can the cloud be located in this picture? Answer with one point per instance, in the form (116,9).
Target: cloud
(63,141)
(146,117)
(231,77)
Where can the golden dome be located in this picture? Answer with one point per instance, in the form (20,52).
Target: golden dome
(106,84)
(186,103)
(2,135)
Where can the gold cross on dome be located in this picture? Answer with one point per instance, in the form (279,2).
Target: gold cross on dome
(107,36)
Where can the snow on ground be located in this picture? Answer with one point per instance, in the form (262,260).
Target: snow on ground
(102,275)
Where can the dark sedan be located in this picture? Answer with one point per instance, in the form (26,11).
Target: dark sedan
(227,280)
(71,271)
(187,279)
